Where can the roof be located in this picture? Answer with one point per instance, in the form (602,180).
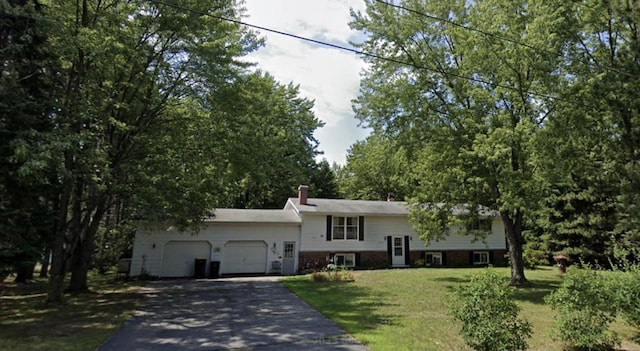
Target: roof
(370,208)
(233,215)
(360,207)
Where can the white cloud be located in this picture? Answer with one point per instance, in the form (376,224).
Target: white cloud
(329,76)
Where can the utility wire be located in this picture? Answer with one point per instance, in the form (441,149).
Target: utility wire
(497,36)
(353,50)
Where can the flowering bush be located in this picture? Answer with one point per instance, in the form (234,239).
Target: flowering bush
(333,274)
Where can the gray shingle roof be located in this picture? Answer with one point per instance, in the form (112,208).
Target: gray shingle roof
(360,207)
(370,208)
(232,215)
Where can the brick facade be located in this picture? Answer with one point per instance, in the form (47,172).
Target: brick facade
(309,261)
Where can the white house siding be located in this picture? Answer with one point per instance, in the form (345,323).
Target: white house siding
(495,241)
(378,227)
(150,241)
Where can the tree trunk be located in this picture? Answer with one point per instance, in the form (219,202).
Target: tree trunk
(44,270)
(83,252)
(24,272)
(515,241)
(55,290)
(79,269)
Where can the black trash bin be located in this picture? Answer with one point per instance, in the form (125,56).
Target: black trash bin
(214,270)
(200,269)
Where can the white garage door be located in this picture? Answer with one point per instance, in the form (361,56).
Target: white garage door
(244,257)
(178,257)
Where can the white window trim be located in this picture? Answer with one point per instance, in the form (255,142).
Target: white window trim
(433,254)
(480,253)
(344,259)
(345,226)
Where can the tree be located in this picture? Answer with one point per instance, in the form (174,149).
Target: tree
(376,168)
(124,72)
(323,182)
(26,192)
(267,130)
(591,145)
(467,104)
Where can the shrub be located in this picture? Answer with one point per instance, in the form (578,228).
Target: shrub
(488,314)
(334,275)
(625,287)
(585,310)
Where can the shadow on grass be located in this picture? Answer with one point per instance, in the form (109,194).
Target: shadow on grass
(26,317)
(536,290)
(453,279)
(352,307)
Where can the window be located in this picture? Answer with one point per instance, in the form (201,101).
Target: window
(480,257)
(481,224)
(433,259)
(345,260)
(398,247)
(289,249)
(345,228)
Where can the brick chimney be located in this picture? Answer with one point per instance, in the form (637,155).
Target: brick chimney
(303,192)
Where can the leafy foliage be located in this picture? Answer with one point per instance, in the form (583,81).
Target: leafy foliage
(463,104)
(488,314)
(586,308)
(376,168)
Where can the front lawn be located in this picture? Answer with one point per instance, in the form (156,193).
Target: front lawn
(83,322)
(404,309)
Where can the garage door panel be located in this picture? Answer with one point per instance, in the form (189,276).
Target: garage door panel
(178,258)
(244,257)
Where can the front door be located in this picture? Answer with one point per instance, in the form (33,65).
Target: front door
(289,258)
(397,251)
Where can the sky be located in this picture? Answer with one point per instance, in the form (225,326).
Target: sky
(330,77)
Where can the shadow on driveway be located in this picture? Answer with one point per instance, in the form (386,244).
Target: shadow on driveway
(238,313)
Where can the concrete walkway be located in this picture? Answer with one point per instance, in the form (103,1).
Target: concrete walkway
(235,313)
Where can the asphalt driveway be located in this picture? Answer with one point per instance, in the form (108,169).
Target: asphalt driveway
(236,313)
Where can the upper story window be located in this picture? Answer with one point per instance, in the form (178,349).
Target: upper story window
(345,228)
(481,224)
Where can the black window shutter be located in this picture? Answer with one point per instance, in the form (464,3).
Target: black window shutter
(357,259)
(490,257)
(332,257)
(329,227)
(407,253)
(361,228)
(444,258)
(423,255)
(389,253)
(470,257)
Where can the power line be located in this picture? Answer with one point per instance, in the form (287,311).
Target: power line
(498,36)
(350,49)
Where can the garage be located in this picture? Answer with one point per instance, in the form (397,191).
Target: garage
(239,257)
(178,258)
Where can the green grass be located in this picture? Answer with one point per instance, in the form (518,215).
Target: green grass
(83,322)
(404,309)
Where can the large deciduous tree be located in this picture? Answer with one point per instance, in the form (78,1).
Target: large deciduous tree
(268,132)
(130,82)
(468,104)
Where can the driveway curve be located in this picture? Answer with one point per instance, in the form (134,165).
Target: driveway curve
(227,314)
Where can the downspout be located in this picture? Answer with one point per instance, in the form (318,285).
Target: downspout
(297,258)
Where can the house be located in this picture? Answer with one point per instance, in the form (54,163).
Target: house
(308,233)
